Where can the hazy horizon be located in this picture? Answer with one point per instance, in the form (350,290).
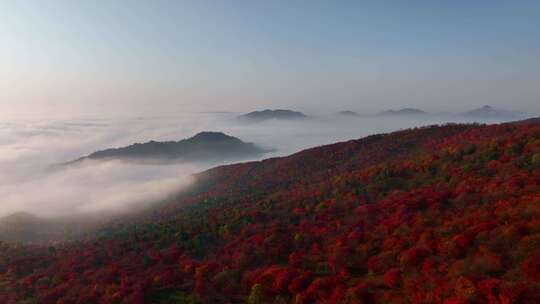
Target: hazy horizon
(131,58)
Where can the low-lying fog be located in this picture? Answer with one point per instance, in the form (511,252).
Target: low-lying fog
(29,148)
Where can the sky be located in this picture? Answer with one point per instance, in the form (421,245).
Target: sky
(109,58)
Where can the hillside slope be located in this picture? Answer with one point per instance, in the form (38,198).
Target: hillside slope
(443,214)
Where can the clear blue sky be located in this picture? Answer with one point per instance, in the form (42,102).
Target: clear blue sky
(105,57)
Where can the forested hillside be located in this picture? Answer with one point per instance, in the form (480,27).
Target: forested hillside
(443,214)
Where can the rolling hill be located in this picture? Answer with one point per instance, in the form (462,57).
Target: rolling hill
(258,116)
(489,112)
(440,214)
(203,147)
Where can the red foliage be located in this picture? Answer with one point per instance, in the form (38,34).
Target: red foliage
(431,215)
(392,278)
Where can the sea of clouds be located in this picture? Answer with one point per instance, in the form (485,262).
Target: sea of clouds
(29,149)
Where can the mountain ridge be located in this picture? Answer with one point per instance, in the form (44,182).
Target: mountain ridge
(488,111)
(205,146)
(278,114)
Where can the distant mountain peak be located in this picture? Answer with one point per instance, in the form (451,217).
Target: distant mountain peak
(267,114)
(404,111)
(485,108)
(348,113)
(210,135)
(204,146)
(487,111)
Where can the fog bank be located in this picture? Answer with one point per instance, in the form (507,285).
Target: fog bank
(29,148)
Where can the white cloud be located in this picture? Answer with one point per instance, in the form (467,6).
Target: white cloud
(29,148)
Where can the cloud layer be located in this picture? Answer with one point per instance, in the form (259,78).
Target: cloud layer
(29,148)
